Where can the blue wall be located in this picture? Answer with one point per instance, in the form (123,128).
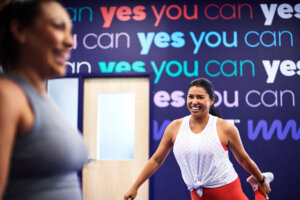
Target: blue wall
(248,49)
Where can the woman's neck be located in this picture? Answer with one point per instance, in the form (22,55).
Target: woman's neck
(33,78)
(200,119)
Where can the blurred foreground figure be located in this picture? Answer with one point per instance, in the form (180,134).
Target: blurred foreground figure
(40,152)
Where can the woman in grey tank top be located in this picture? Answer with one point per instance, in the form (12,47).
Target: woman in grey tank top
(40,153)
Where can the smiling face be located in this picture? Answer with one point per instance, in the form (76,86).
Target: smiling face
(47,42)
(198,101)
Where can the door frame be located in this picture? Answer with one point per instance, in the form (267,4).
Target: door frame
(83,76)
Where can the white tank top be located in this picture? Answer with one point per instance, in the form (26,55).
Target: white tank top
(201,157)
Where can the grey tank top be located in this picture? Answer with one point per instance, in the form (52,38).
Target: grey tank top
(45,161)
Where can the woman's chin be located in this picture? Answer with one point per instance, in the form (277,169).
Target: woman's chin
(58,73)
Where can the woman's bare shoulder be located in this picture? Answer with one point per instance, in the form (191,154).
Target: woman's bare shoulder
(174,126)
(10,92)
(176,123)
(225,126)
(173,129)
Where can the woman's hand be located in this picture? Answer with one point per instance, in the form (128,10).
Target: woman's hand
(264,188)
(131,194)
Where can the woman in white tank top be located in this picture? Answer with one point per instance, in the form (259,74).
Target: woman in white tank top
(200,143)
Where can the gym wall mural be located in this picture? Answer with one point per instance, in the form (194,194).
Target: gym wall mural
(250,50)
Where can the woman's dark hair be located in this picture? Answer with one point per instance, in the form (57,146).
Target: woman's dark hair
(209,88)
(25,12)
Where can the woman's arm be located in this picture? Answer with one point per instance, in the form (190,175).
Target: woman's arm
(15,118)
(8,121)
(236,146)
(156,160)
